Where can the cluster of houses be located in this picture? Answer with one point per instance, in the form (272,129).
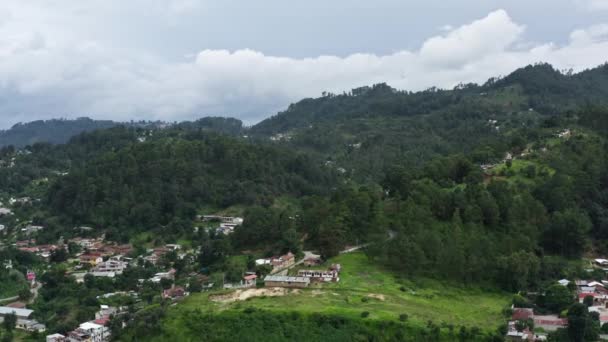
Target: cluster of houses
(548,323)
(24,318)
(227,223)
(593,293)
(304,278)
(92,331)
(597,291)
(155,254)
(278,262)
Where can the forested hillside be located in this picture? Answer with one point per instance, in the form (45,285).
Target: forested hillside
(367,129)
(49,131)
(165,181)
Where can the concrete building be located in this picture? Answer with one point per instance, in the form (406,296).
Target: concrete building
(286,281)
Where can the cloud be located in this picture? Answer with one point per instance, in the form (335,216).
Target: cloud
(598,5)
(48,70)
(489,35)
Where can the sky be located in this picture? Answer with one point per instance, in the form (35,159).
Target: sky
(179,60)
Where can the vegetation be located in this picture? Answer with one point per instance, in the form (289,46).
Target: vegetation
(458,196)
(427,306)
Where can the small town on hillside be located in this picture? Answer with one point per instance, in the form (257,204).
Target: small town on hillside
(87,258)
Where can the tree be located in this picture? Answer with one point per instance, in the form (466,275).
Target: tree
(25,294)
(59,255)
(10,321)
(581,327)
(518,270)
(588,301)
(567,232)
(557,298)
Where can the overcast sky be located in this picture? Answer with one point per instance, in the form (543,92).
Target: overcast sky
(184,59)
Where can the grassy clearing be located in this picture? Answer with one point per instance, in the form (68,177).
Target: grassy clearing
(367,287)
(523,171)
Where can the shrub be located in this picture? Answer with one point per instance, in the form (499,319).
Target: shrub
(365,314)
(403,317)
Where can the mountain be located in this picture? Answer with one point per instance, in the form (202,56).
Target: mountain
(367,129)
(55,131)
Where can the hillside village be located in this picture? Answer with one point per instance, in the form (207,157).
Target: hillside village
(87,258)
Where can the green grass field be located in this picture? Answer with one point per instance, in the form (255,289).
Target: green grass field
(367,287)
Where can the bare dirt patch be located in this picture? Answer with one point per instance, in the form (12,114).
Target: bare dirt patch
(377,296)
(240,295)
(316,293)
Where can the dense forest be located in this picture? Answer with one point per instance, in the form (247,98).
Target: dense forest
(49,131)
(148,185)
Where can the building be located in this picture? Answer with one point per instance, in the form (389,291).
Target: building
(286,281)
(174,293)
(249,280)
(110,266)
(30,229)
(90,332)
(56,338)
(106,311)
(163,275)
(91,259)
(283,261)
(223,219)
(312,261)
(24,320)
(5,212)
(320,275)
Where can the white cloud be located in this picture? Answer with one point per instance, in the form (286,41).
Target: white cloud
(489,35)
(598,4)
(49,70)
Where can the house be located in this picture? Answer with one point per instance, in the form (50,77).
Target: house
(91,259)
(90,331)
(174,293)
(601,262)
(56,338)
(319,275)
(223,219)
(286,281)
(522,314)
(514,335)
(24,320)
(105,311)
(173,247)
(563,282)
(31,277)
(249,280)
(156,254)
(111,266)
(163,275)
(260,262)
(5,212)
(283,261)
(30,229)
(550,322)
(595,284)
(312,261)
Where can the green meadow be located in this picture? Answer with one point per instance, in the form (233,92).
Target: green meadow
(366,287)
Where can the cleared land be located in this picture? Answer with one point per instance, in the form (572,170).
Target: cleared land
(367,287)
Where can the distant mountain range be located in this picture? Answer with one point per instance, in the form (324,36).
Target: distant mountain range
(56,131)
(59,131)
(320,122)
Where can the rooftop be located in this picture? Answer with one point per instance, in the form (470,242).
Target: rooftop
(287,279)
(5,310)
